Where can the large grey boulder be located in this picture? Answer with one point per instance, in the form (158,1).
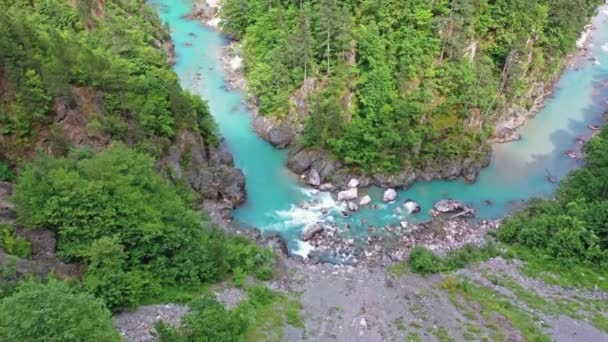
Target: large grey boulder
(348,195)
(279,135)
(310,231)
(313,178)
(389,195)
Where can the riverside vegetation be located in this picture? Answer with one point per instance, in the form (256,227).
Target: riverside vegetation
(89,108)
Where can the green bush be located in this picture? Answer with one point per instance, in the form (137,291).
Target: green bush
(424,261)
(54,312)
(13,244)
(6,175)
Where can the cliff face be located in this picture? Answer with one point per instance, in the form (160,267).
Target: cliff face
(392,88)
(102,80)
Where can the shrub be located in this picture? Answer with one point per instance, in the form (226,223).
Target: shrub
(54,312)
(424,261)
(13,244)
(6,175)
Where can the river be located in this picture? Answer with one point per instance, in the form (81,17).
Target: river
(518,170)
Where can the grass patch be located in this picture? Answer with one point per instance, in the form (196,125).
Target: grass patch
(556,272)
(413,337)
(397,270)
(491,302)
(424,261)
(399,323)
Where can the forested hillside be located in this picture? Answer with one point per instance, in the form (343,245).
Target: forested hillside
(87,73)
(109,157)
(402,82)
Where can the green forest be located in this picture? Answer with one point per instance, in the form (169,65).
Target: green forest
(89,105)
(401,82)
(135,236)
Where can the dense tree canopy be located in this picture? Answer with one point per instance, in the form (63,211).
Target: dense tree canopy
(402,81)
(108,55)
(574,226)
(54,312)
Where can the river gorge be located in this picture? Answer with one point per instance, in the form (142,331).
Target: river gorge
(518,170)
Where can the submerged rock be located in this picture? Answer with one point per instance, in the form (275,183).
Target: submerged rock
(365,200)
(449,206)
(313,178)
(411,206)
(353,183)
(348,195)
(310,231)
(389,195)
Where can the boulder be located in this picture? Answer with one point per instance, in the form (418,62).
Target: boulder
(313,177)
(279,135)
(348,195)
(449,206)
(352,206)
(353,183)
(411,206)
(326,187)
(310,231)
(365,200)
(300,160)
(389,195)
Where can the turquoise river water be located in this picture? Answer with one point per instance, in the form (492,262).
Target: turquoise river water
(517,172)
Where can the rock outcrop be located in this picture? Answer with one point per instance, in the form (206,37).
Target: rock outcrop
(279,135)
(300,160)
(208,169)
(313,178)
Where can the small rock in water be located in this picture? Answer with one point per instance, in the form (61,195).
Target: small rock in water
(403,224)
(313,178)
(353,183)
(326,187)
(411,206)
(352,206)
(365,200)
(310,231)
(448,206)
(348,195)
(389,195)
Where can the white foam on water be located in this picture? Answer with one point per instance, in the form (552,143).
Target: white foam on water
(304,249)
(297,216)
